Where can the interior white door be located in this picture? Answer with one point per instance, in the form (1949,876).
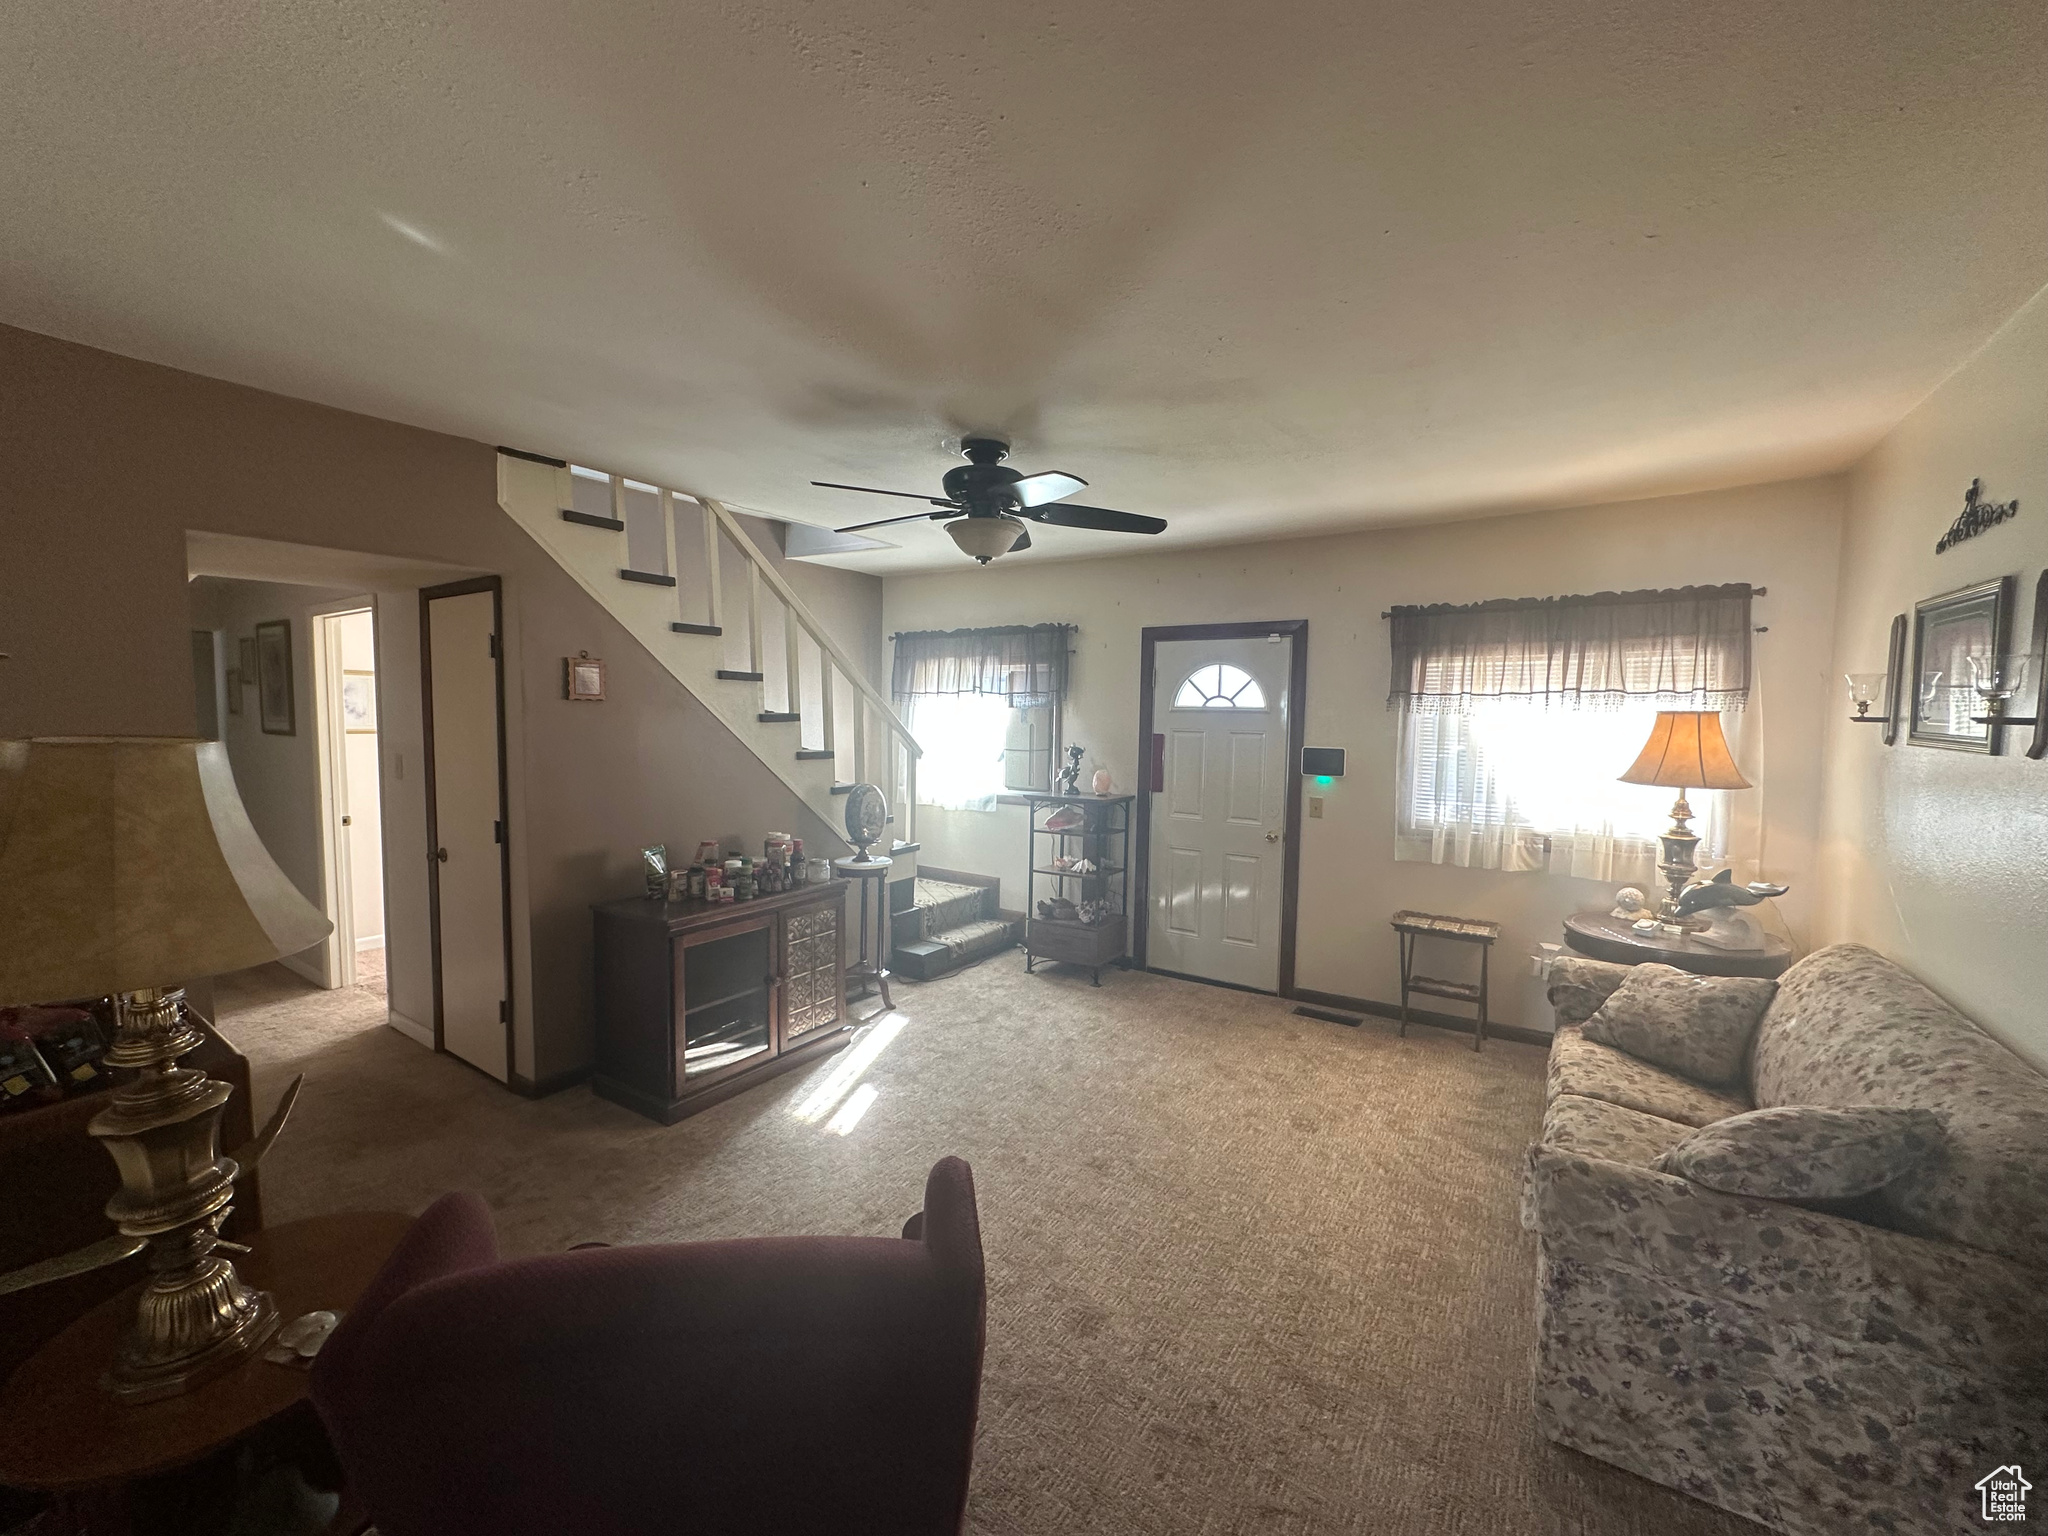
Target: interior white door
(1216,854)
(469,857)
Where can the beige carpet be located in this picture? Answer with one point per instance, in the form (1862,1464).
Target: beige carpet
(1247,1272)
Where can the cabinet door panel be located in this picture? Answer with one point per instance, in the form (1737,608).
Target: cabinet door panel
(811,986)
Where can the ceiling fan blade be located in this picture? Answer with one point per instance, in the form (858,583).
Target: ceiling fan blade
(1037,490)
(834,485)
(1070,516)
(1023,540)
(883,522)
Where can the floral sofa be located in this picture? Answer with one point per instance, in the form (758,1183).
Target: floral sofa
(1813,1371)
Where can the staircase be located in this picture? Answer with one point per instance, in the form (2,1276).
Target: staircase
(952,920)
(693,588)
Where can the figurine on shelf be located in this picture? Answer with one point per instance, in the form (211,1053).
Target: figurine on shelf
(1103,782)
(1070,776)
(1630,905)
(1720,900)
(1083,866)
(1095,913)
(1057,910)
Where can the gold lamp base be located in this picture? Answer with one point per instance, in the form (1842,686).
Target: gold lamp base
(196,1318)
(1679,864)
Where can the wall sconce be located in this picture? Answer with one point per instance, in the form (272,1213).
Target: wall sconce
(1997,679)
(1880,690)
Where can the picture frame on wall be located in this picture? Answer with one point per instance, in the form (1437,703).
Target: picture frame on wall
(234,682)
(359,702)
(246,654)
(274,701)
(1947,631)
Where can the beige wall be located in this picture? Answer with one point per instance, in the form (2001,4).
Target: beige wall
(110,461)
(1940,859)
(1783,536)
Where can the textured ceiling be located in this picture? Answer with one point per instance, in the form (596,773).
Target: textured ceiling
(1257,268)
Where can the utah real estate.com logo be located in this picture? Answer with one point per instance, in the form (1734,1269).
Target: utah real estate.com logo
(2004,1493)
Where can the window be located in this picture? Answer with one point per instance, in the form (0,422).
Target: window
(1219,686)
(1514,785)
(978,746)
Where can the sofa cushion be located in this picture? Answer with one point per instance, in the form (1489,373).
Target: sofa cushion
(1848,1027)
(1594,1071)
(1806,1151)
(1697,1026)
(1579,985)
(1595,1128)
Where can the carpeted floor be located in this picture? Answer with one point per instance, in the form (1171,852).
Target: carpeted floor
(1248,1272)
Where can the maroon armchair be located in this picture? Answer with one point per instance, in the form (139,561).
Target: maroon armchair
(783,1385)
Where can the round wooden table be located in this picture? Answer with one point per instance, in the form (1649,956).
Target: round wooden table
(59,1429)
(1606,937)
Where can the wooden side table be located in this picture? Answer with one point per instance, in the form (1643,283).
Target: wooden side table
(1411,927)
(1605,937)
(63,1431)
(871,888)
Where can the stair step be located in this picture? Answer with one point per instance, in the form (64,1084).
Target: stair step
(592,520)
(845,789)
(943,904)
(739,677)
(648,578)
(695,629)
(777,717)
(955,947)
(814,755)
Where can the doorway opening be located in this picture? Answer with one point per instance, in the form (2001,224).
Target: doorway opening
(351,810)
(1219,813)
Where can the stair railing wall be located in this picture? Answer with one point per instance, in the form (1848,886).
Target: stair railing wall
(877,730)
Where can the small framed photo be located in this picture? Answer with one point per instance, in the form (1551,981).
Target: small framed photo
(235,689)
(583,677)
(274,702)
(246,654)
(359,703)
(1947,631)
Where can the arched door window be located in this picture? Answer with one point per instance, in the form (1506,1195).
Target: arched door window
(1219,686)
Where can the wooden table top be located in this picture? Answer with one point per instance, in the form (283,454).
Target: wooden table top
(60,1429)
(1606,937)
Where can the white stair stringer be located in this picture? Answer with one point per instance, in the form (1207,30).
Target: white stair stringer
(534,495)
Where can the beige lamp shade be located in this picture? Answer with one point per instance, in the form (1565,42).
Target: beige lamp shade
(1686,750)
(128,862)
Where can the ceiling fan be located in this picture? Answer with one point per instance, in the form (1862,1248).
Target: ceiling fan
(995,500)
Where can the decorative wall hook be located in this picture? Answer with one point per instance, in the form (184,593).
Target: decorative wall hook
(1975,518)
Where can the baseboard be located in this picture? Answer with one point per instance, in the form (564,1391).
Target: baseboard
(412,1029)
(528,1088)
(1422,1016)
(375,941)
(299,966)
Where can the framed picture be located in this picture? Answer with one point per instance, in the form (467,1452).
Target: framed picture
(1947,631)
(583,677)
(274,678)
(235,689)
(1895,680)
(359,702)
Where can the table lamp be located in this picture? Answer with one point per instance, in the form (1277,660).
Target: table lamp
(128,864)
(1686,750)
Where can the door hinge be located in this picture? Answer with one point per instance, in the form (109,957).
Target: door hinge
(497,832)
(494,647)
(504,1010)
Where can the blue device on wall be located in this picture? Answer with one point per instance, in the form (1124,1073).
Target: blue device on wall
(1323,762)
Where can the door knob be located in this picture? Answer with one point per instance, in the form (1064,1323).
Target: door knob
(441,855)
(1272,837)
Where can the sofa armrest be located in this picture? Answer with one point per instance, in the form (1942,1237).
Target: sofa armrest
(1859,1284)
(1578,986)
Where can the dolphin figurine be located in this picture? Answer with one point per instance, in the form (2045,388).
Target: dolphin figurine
(1722,891)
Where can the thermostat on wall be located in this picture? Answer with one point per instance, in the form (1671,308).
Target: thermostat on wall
(1323,762)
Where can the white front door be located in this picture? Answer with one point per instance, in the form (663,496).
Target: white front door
(1216,856)
(469,857)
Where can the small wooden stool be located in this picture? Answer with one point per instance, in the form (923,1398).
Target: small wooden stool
(1412,926)
(871,960)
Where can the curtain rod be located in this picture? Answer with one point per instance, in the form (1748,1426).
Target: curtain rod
(1074,627)
(1387,613)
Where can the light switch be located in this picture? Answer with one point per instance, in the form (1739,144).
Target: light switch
(1315,807)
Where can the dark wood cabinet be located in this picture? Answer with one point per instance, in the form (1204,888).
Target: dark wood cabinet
(698,1000)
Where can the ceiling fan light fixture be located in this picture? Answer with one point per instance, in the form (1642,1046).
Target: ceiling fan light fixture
(985,537)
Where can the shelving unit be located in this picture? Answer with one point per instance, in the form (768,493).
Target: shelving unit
(1102,837)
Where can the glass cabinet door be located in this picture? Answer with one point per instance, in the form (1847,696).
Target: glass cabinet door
(726,1010)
